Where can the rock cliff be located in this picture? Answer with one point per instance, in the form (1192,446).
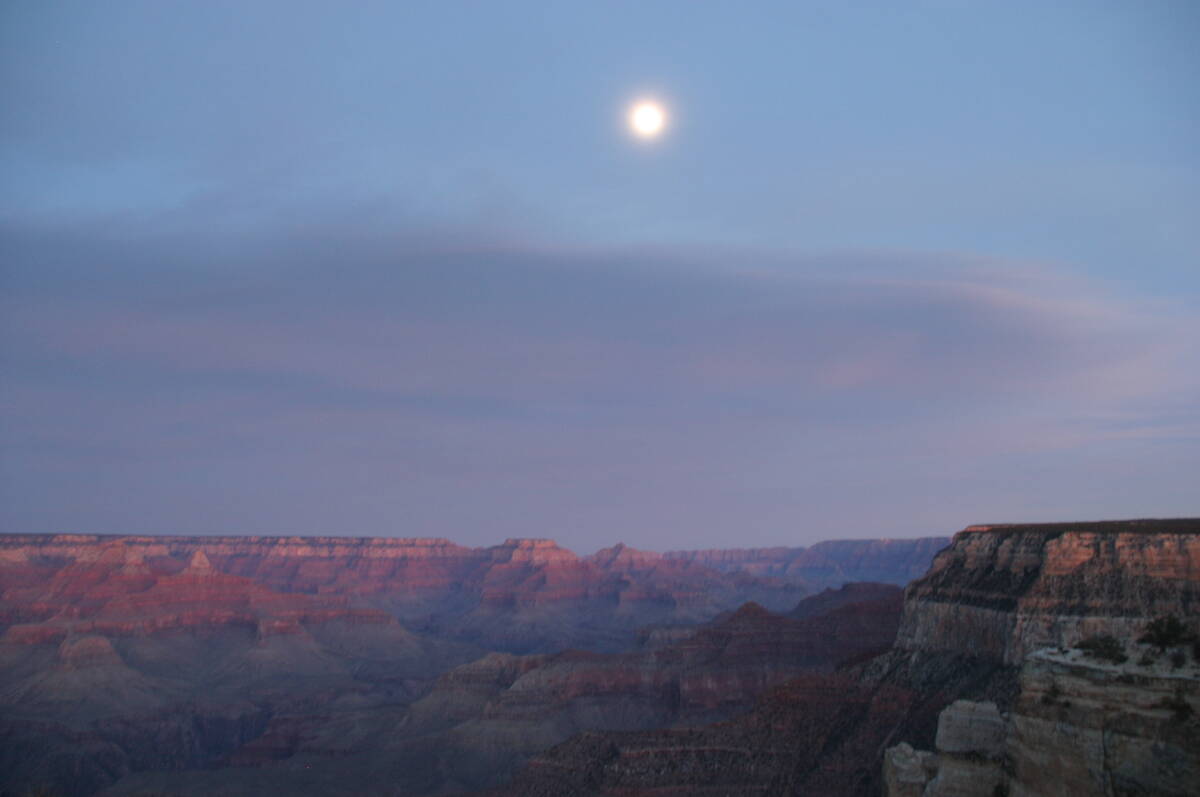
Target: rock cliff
(1080,725)
(1062,605)
(1002,591)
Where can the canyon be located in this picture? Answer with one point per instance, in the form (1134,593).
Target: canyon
(985,691)
(188,666)
(522,596)
(134,664)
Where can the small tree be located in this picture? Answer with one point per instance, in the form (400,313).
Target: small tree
(1166,632)
(1104,647)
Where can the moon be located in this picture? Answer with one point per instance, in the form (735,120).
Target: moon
(647,119)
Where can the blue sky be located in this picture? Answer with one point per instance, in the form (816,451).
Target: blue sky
(398,268)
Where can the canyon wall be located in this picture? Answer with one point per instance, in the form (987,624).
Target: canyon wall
(1096,709)
(1114,729)
(1080,725)
(522,596)
(954,684)
(1002,591)
(482,720)
(315,662)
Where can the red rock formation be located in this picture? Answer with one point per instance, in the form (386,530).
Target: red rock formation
(522,595)
(230,656)
(44,575)
(112,591)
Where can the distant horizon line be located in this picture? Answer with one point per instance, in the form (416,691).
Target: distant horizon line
(420,541)
(1129,524)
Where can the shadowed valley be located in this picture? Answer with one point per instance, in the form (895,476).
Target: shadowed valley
(332,665)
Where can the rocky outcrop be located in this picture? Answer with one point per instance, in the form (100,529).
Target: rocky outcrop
(1093,712)
(1003,591)
(970,749)
(1107,728)
(906,772)
(1080,725)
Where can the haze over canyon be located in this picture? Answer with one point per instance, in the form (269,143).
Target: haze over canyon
(143,665)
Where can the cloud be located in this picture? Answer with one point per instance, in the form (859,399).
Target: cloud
(351,378)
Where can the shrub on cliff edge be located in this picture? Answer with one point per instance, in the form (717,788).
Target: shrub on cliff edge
(1166,632)
(1104,647)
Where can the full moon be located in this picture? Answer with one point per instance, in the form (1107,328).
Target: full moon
(647,119)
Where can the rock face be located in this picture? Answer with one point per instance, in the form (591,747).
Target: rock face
(1121,729)
(1121,721)
(906,772)
(1003,591)
(970,748)
(1079,726)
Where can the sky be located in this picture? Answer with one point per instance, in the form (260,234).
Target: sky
(400,269)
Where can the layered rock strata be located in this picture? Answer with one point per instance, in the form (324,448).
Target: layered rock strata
(970,750)
(1079,726)
(525,595)
(123,656)
(1118,729)
(995,594)
(1001,591)
(1094,712)
(482,720)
